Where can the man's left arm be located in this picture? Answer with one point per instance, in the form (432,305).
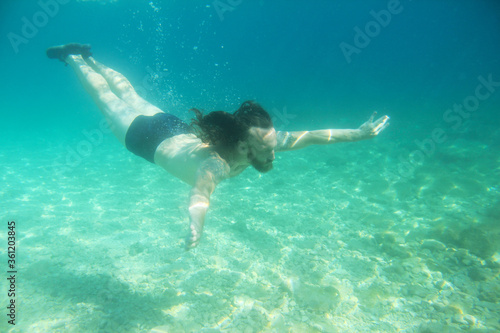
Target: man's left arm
(302,139)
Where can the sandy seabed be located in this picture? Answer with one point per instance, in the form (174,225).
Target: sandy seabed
(334,239)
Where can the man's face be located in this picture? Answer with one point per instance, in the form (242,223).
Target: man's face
(261,144)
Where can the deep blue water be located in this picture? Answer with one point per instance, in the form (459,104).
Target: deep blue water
(430,65)
(281,52)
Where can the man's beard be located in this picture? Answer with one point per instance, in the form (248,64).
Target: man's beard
(262,167)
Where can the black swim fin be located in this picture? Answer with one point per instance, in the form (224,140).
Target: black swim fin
(62,51)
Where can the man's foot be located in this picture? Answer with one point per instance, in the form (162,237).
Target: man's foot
(62,51)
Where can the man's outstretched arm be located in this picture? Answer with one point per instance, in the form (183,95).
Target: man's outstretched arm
(302,139)
(211,172)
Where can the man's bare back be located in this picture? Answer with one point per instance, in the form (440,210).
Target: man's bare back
(182,156)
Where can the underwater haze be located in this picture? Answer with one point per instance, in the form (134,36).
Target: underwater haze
(400,233)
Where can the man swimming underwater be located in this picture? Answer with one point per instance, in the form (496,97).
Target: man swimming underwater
(216,146)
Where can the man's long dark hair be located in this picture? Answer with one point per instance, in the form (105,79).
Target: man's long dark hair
(224,129)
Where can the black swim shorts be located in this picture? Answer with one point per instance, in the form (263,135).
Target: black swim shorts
(147,132)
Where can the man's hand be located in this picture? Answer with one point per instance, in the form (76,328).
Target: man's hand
(372,128)
(198,208)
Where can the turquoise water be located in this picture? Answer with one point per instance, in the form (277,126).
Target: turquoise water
(399,233)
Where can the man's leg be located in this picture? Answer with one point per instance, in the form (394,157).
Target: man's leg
(123,89)
(117,112)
